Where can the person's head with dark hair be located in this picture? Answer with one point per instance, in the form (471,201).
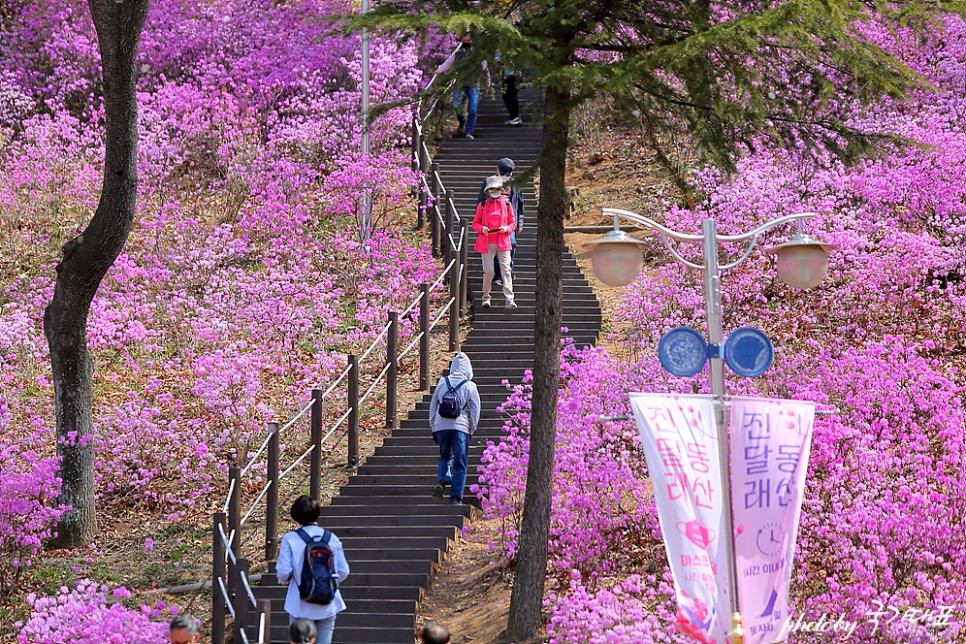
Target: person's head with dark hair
(183,629)
(305,510)
(434,634)
(302,631)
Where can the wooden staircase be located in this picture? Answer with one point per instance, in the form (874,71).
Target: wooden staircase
(394,532)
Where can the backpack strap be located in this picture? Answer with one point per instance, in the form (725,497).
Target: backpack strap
(449,385)
(304,535)
(457,387)
(326,535)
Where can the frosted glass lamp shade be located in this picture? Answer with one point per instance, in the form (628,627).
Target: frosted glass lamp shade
(616,258)
(802,262)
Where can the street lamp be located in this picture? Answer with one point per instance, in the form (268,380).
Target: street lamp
(802,262)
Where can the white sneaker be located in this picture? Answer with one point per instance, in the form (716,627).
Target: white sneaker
(514,121)
(510,304)
(486,303)
(469,136)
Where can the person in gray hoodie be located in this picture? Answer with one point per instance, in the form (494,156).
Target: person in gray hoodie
(453,434)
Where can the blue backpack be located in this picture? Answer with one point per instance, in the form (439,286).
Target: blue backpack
(449,403)
(318,582)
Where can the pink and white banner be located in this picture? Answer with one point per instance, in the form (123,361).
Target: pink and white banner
(770,442)
(680,443)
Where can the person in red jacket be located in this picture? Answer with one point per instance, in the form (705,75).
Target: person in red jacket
(493,223)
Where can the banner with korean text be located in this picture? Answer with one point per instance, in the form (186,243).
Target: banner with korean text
(680,444)
(770,442)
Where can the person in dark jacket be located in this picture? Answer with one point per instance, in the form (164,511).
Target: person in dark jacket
(453,434)
(504,168)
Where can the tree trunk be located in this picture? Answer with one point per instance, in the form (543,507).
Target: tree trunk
(526,601)
(86,260)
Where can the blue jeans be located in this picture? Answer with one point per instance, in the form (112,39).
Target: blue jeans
(513,251)
(324,627)
(453,444)
(472,95)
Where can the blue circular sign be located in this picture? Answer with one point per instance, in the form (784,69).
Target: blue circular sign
(748,352)
(682,351)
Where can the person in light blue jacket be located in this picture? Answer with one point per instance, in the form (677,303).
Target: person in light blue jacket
(291,553)
(453,434)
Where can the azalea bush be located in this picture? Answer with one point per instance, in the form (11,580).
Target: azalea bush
(246,279)
(92,613)
(880,340)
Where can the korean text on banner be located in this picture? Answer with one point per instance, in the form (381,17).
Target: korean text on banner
(680,443)
(770,441)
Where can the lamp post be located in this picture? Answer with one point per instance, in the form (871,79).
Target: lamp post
(802,262)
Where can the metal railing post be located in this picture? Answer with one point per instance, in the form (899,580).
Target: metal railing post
(271,501)
(392,359)
(353,404)
(454,312)
(315,458)
(424,339)
(241,601)
(465,282)
(234,528)
(217,572)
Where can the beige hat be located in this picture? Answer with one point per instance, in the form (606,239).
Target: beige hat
(496,181)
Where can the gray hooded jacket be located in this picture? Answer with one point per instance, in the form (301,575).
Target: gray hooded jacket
(469,397)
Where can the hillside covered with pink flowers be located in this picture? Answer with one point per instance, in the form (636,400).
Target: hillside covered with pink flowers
(245,282)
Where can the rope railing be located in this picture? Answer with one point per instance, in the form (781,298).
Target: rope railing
(232,593)
(442,311)
(374,383)
(372,346)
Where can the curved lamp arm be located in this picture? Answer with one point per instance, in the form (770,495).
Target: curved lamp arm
(667,234)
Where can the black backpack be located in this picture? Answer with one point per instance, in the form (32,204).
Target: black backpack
(318,581)
(449,403)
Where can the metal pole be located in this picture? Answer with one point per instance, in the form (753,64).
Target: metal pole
(712,302)
(392,359)
(353,404)
(315,458)
(465,281)
(454,312)
(217,572)
(365,83)
(271,501)
(424,339)
(234,528)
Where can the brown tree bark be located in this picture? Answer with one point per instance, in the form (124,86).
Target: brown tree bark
(526,600)
(86,260)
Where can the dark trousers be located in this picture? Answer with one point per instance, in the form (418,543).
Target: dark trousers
(510,99)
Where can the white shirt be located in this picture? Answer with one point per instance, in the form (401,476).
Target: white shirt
(291,553)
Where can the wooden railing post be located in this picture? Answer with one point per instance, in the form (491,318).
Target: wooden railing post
(447,232)
(315,458)
(424,338)
(271,500)
(234,528)
(392,359)
(352,403)
(465,282)
(263,611)
(454,311)
(241,601)
(217,573)
(422,203)
(433,218)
